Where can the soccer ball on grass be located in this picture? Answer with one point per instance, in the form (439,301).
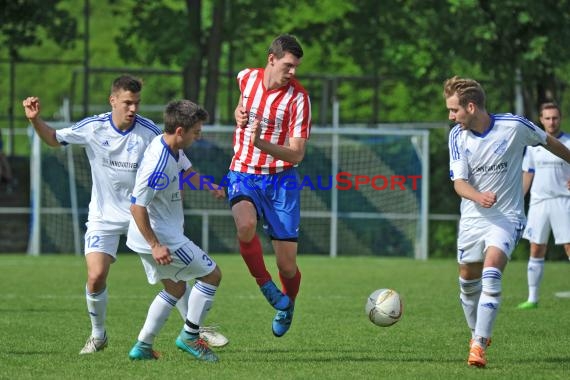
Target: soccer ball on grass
(384,307)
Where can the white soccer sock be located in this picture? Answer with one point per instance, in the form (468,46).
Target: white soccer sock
(97,308)
(469,296)
(489,302)
(157,315)
(534,274)
(199,304)
(182,304)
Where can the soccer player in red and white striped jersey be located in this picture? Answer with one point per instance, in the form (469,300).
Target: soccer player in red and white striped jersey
(273,124)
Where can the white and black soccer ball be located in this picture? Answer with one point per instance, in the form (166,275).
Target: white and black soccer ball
(384,307)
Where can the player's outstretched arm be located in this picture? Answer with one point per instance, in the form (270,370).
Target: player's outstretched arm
(32,109)
(203,183)
(555,146)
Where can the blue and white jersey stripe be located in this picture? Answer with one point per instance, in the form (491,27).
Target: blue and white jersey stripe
(511,117)
(149,124)
(492,161)
(92,119)
(157,189)
(453,143)
(114,157)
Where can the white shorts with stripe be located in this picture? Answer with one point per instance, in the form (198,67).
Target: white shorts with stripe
(477,234)
(188,262)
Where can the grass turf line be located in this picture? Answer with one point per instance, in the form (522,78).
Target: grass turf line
(44,324)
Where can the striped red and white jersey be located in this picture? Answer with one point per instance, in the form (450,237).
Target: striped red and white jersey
(284,113)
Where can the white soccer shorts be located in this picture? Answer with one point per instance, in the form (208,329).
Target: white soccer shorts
(188,262)
(104,238)
(550,214)
(476,235)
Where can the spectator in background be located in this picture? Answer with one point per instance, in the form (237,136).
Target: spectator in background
(548,178)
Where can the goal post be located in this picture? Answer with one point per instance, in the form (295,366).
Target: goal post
(364,192)
(55,223)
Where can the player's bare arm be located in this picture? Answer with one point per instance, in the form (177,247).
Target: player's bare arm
(32,108)
(293,153)
(554,146)
(240,114)
(527,181)
(202,183)
(160,253)
(485,199)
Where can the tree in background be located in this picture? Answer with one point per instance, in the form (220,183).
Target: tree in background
(21,22)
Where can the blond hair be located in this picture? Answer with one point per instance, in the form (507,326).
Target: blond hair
(467,90)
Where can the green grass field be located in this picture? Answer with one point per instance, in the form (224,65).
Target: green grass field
(44,324)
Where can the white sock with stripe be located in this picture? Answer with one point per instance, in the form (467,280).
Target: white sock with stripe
(199,304)
(97,308)
(489,302)
(157,315)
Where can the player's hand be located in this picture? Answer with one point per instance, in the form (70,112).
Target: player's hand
(31,107)
(218,191)
(241,116)
(568,184)
(161,254)
(255,132)
(487,199)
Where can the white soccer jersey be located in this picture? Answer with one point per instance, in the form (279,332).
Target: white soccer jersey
(492,161)
(114,157)
(551,173)
(157,188)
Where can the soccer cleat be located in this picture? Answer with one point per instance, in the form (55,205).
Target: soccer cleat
(94,345)
(274,296)
(473,340)
(477,356)
(282,321)
(196,347)
(527,305)
(143,351)
(211,336)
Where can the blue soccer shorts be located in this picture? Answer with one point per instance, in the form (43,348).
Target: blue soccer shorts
(276,197)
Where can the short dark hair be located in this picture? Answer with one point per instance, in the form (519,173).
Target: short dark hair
(286,43)
(549,106)
(183,113)
(127,83)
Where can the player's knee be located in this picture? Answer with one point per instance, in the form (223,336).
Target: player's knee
(213,278)
(470,286)
(492,281)
(176,289)
(96,281)
(287,268)
(246,230)
(217,275)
